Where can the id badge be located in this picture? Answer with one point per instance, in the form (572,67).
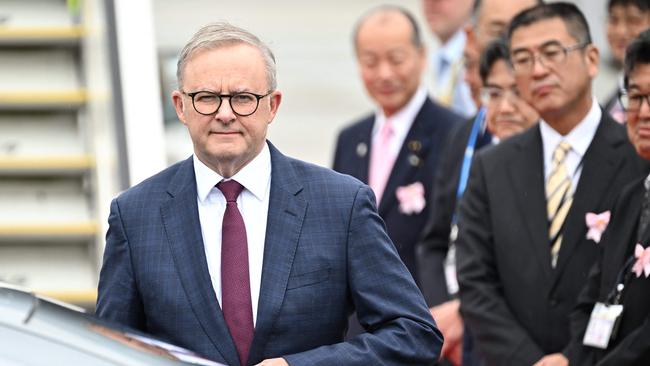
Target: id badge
(450,262)
(602,324)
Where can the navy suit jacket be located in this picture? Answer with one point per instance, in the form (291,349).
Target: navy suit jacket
(326,255)
(416,162)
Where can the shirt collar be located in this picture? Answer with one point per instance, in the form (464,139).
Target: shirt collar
(453,49)
(580,136)
(403,119)
(254,176)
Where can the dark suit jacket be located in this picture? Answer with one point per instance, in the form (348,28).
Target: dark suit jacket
(326,254)
(416,162)
(514,301)
(442,205)
(617,246)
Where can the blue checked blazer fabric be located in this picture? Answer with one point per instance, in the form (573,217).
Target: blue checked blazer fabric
(326,255)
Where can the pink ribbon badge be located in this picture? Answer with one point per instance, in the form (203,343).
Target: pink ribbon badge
(597,223)
(642,264)
(411,198)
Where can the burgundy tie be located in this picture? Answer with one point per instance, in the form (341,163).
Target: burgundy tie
(235,280)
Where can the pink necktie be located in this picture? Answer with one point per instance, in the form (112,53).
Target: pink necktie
(236,301)
(381,160)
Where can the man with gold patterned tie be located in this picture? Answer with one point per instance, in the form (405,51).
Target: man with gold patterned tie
(522,251)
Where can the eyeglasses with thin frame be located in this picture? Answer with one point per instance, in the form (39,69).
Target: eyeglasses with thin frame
(550,55)
(242,104)
(632,101)
(495,94)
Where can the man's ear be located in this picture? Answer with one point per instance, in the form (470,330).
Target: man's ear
(592,59)
(275,100)
(179,105)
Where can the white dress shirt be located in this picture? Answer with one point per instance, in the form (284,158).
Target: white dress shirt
(579,138)
(253,204)
(401,121)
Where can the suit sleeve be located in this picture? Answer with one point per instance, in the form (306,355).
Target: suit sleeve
(118,297)
(634,349)
(388,303)
(577,353)
(500,337)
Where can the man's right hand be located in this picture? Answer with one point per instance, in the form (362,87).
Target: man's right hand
(554,359)
(450,323)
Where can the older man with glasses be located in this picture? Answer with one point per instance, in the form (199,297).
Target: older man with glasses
(618,283)
(247,256)
(523,252)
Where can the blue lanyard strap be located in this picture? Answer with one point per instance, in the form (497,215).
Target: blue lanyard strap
(467,158)
(469,153)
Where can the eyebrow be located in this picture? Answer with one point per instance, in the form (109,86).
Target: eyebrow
(553,42)
(491,85)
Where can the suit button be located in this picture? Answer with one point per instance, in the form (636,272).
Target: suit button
(553,302)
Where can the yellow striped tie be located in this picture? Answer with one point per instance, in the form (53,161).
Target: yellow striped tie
(558,198)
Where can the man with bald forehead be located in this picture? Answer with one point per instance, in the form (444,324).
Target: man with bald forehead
(395,149)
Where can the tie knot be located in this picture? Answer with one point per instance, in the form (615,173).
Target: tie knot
(560,151)
(230,189)
(387,129)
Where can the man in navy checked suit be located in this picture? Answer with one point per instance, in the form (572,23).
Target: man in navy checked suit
(316,248)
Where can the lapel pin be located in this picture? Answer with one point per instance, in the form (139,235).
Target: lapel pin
(415,145)
(414,160)
(362,149)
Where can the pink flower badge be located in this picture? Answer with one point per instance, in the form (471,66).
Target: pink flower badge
(411,198)
(597,223)
(642,264)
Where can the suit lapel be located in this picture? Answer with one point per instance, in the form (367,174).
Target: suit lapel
(625,236)
(527,175)
(183,230)
(601,163)
(287,210)
(411,156)
(362,149)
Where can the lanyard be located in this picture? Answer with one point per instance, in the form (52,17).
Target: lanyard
(614,297)
(467,158)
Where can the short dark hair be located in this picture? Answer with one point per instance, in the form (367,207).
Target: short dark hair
(416,37)
(572,17)
(638,52)
(495,51)
(477,6)
(643,5)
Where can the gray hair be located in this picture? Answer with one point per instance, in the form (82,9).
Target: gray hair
(221,34)
(416,37)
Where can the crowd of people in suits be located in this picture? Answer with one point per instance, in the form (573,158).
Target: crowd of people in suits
(505,210)
(498,208)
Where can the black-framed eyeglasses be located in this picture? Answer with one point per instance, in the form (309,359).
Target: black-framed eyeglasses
(632,102)
(242,104)
(550,55)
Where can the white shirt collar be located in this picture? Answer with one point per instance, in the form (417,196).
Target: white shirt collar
(403,119)
(254,176)
(453,49)
(580,136)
